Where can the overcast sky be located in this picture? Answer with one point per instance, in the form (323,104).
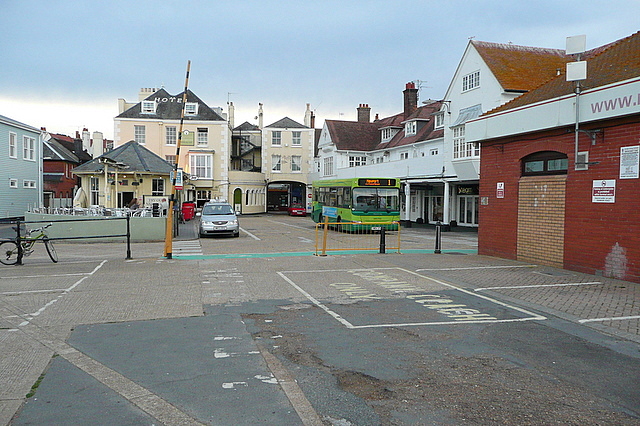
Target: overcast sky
(65,63)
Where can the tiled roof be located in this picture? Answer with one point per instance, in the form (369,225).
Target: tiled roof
(607,64)
(246,126)
(172,110)
(53,150)
(137,157)
(426,132)
(353,135)
(365,136)
(521,68)
(287,123)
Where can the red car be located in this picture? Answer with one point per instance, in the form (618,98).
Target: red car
(296,210)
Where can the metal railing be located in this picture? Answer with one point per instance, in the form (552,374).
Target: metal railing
(366,236)
(20,230)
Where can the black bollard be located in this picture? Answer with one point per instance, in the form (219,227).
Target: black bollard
(383,244)
(438,238)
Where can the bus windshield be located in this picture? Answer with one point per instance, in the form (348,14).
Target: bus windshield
(376,199)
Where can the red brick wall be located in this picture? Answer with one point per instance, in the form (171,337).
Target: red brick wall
(599,238)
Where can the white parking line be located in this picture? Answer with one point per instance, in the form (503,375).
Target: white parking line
(531,316)
(536,286)
(478,267)
(582,321)
(250,234)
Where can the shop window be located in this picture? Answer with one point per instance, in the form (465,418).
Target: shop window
(545,163)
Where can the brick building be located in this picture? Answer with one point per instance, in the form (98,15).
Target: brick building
(562,188)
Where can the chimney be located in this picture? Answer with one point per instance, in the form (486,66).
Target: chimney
(86,140)
(97,149)
(364,113)
(145,92)
(410,99)
(260,116)
(313,120)
(232,112)
(307,116)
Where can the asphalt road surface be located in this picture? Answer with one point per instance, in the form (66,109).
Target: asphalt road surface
(258,330)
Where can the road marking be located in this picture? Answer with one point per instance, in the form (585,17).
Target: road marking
(537,285)
(45,276)
(250,234)
(292,226)
(582,321)
(29,317)
(478,267)
(474,318)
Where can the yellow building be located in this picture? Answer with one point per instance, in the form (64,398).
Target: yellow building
(154,122)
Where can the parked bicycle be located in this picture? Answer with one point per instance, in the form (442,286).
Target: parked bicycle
(9,249)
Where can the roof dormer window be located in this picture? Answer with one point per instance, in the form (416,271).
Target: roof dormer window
(388,133)
(410,128)
(148,107)
(439,120)
(191,108)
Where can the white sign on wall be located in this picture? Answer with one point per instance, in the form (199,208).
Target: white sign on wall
(499,189)
(604,191)
(629,162)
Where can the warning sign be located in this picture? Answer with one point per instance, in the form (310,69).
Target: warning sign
(604,191)
(499,189)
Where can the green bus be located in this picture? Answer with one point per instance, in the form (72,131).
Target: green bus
(357,200)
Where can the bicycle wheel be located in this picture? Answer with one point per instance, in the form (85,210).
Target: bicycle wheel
(51,250)
(9,252)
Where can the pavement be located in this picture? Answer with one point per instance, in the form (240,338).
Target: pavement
(100,339)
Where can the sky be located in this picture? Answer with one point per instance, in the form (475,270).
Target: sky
(65,64)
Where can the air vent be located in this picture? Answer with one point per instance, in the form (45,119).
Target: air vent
(582,161)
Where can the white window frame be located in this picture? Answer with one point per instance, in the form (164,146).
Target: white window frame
(276,138)
(296,163)
(296,138)
(276,163)
(94,190)
(29,183)
(157,186)
(201,165)
(410,128)
(13,183)
(13,145)
(459,147)
(439,120)
(471,81)
(357,160)
(404,155)
(140,134)
(148,107)
(433,151)
(202,136)
(28,148)
(171,135)
(171,159)
(191,108)
(328,166)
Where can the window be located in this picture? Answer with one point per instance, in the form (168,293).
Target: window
(297,139)
(170,135)
(471,81)
(148,107)
(191,108)
(328,166)
(433,151)
(95,191)
(139,133)
(28,148)
(28,183)
(410,128)
(276,138)
(13,145)
(203,136)
(201,166)
(171,159)
(461,148)
(13,183)
(296,163)
(388,133)
(276,163)
(355,161)
(157,186)
(439,120)
(404,155)
(545,163)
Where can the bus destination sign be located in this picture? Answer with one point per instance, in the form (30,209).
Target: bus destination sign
(376,182)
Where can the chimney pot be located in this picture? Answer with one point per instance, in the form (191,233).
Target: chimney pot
(364,113)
